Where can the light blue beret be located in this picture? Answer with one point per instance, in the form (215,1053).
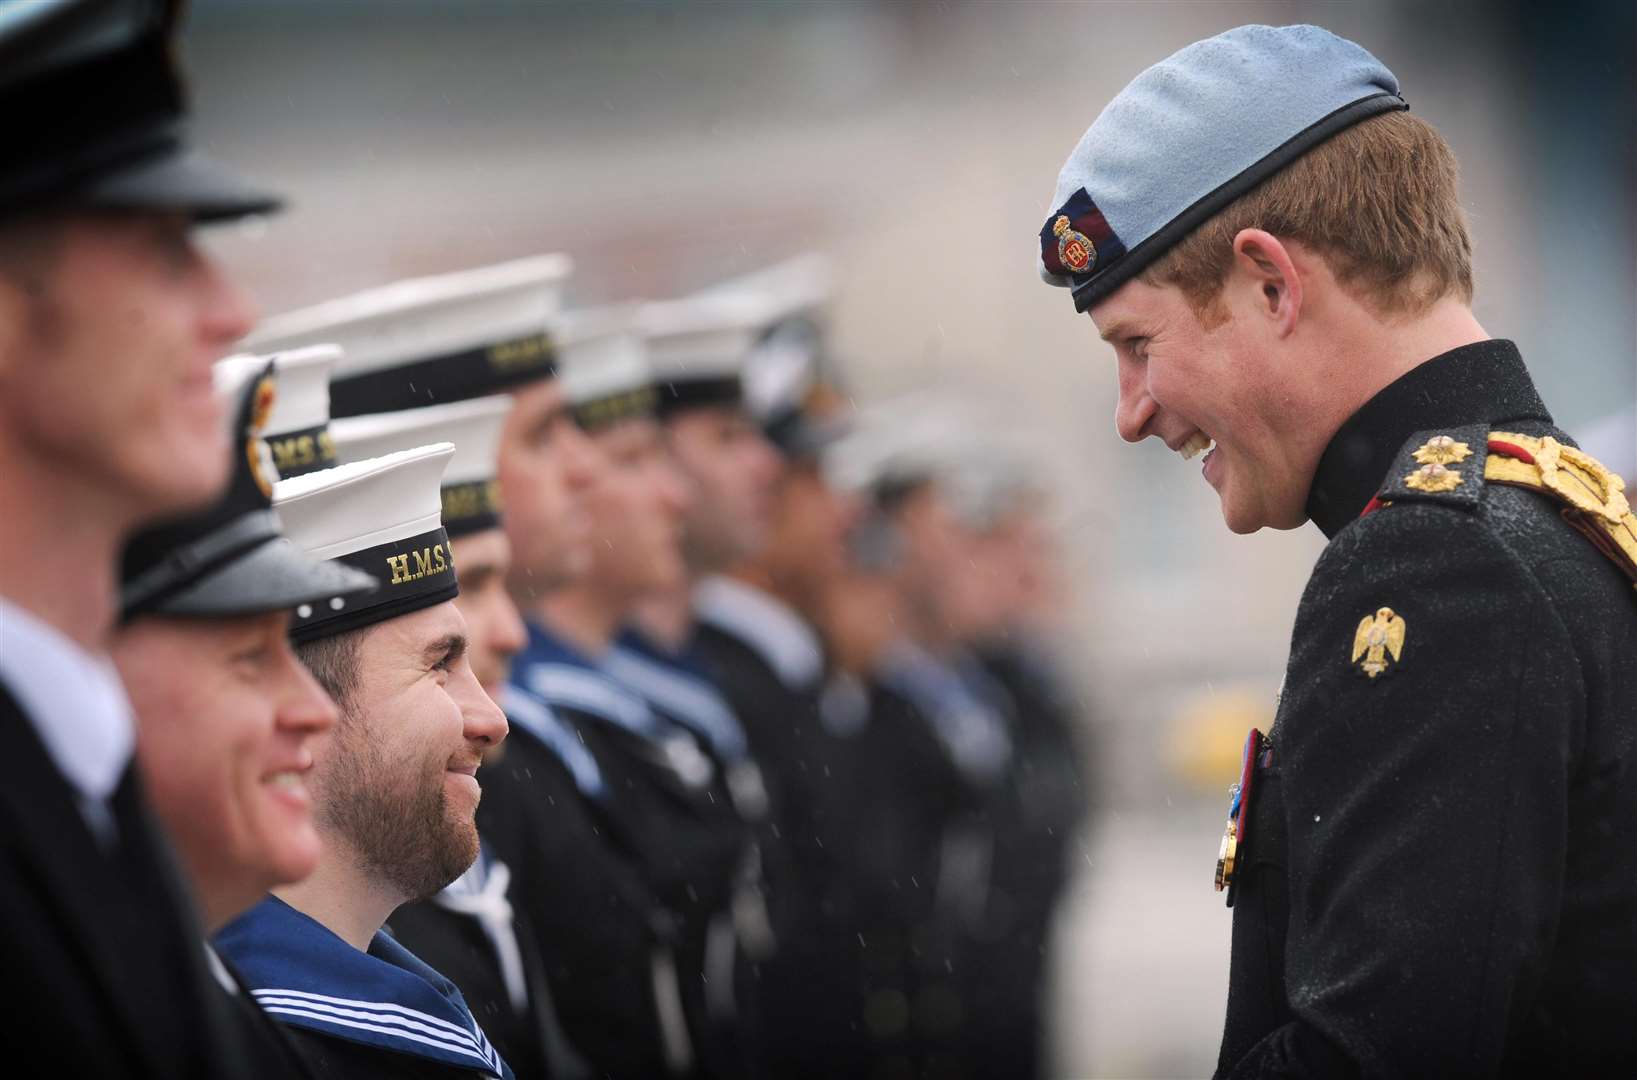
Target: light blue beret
(1193,133)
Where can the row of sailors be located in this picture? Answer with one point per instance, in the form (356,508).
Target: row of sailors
(779,796)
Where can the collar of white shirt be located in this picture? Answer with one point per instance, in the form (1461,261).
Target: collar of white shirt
(73,698)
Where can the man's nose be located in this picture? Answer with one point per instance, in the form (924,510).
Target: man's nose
(1136,408)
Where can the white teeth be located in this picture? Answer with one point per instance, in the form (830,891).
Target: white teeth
(1197,444)
(290,781)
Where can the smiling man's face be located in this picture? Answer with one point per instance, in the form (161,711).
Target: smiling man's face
(397,778)
(1187,382)
(226,721)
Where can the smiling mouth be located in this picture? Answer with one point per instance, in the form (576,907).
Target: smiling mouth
(1198,443)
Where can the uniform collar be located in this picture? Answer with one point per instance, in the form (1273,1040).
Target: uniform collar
(73,698)
(305,976)
(769,627)
(1484,382)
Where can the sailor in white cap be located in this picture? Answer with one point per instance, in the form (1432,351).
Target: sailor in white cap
(668,806)
(394,787)
(1433,865)
(763,578)
(471,931)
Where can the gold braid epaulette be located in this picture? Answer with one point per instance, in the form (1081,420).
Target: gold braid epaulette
(1594,498)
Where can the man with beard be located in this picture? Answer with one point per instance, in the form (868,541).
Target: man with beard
(225,712)
(394,785)
(1432,856)
(110,319)
(471,931)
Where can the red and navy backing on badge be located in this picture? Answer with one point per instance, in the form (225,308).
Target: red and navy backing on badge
(1077,241)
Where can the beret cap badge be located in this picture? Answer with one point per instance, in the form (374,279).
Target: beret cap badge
(1077,239)
(1074,249)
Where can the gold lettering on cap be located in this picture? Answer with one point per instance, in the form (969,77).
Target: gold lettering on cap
(522,353)
(418,564)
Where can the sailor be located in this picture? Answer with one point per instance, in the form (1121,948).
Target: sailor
(226,714)
(471,931)
(672,802)
(1432,856)
(757,615)
(940,744)
(108,422)
(394,787)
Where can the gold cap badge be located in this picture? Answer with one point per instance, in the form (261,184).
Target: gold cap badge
(1074,249)
(261,410)
(1378,636)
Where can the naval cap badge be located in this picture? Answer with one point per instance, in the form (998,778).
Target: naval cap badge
(261,410)
(1377,638)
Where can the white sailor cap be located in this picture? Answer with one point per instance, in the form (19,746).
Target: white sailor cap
(1193,133)
(698,346)
(297,430)
(383,516)
(432,340)
(471,496)
(603,365)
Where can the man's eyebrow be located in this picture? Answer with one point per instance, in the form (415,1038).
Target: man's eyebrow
(472,575)
(1119,328)
(447,647)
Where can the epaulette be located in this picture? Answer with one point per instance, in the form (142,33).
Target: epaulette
(1451,467)
(1593,497)
(1444,466)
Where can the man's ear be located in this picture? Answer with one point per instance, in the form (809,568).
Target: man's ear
(1264,264)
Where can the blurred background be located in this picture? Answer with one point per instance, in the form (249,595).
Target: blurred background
(666,146)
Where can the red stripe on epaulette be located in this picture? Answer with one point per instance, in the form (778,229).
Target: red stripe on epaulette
(1511,450)
(1372,506)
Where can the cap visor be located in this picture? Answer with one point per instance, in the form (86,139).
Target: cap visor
(273,577)
(185,180)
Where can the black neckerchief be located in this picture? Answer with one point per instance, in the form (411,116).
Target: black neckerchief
(1484,382)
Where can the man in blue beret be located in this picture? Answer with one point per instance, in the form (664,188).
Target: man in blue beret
(110,319)
(1432,855)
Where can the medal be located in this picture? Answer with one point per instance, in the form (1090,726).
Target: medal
(1233,834)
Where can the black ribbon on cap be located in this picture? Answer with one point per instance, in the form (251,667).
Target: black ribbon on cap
(415,572)
(458,376)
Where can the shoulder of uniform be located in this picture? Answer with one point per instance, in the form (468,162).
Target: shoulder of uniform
(1444,466)
(1456,467)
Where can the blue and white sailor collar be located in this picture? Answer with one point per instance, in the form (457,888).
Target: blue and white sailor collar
(678,687)
(303,975)
(562,677)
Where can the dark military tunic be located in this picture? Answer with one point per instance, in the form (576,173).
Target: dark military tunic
(1439,872)
(1035,821)
(807,737)
(550,813)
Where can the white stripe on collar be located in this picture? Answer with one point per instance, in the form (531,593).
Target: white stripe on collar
(679,695)
(383,1018)
(782,638)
